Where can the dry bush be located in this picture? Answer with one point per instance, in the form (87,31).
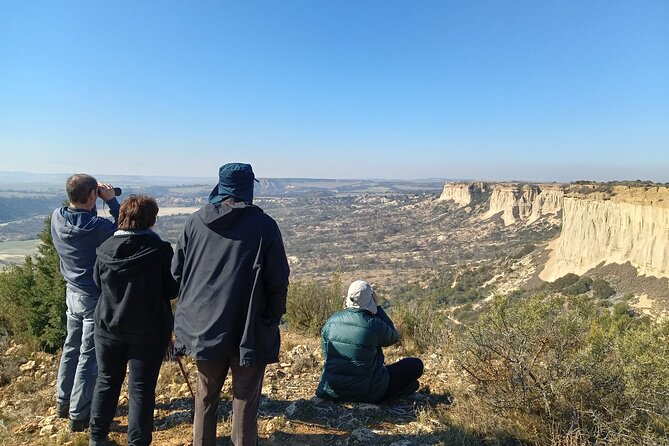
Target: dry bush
(310,304)
(557,370)
(421,325)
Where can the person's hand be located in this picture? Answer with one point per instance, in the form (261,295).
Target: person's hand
(106,191)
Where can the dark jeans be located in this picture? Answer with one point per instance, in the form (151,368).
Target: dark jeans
(143,363)
(404,376)
(246,387)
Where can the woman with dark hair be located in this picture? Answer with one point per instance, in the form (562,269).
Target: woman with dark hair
(133,319)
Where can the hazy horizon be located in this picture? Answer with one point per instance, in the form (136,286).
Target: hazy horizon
(26,176)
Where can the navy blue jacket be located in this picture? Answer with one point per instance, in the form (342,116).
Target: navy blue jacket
(76,234)
(133,272)
(233,273)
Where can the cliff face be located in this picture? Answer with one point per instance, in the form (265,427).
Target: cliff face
(517,203)
(462,194)
(524,203)
(625,224)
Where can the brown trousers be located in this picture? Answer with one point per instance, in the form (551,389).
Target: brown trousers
(246,387)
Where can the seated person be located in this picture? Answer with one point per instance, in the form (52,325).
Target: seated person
(352,341)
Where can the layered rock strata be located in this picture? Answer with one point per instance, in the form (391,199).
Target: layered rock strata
(463,194)
(524,202)
(624,224)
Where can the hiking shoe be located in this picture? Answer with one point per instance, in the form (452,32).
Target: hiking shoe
(79,425)
(62,410)
(409,389)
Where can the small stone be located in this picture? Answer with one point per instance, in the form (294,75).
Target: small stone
(28,366)
(47,430)
(361,436)
(402,443)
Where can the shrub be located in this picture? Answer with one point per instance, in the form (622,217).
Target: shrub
(421,325)
(522,252)
(564,281)
(601,289)
(582,286)
(553,365)
(310,304)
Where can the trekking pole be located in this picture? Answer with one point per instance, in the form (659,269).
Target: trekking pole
(184,373)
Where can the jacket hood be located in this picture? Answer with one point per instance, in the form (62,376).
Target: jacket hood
(129,254)
(361,295)
(224,214)
(73,224)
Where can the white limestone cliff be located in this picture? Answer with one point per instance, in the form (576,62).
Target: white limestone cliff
(524,202)
(462,193)
(625,225)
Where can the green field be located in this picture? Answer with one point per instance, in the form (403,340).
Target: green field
(15,252)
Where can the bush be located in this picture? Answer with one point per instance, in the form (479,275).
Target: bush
(564,282)
(601,289)
(309,304)
(421,325)
(550,366)
(582,286)
(522,252)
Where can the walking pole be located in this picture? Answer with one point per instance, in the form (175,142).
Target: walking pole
(184,373)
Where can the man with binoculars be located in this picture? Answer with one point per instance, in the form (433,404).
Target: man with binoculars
(77,231)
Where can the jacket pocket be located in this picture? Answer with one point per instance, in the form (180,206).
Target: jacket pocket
(267,339)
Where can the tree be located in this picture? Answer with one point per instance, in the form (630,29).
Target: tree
(32,296)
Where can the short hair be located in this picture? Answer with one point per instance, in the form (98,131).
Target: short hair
(137,212)
(78,187)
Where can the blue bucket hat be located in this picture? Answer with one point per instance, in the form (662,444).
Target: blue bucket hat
(235,180)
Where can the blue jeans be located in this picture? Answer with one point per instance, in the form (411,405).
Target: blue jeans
(78,369)
(143,363)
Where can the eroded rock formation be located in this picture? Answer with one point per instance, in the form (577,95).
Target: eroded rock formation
(619,225)
(463,194)
(524,202)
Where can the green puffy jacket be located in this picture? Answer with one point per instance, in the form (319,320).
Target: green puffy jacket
(351,342)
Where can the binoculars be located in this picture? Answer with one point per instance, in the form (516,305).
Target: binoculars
(117,191)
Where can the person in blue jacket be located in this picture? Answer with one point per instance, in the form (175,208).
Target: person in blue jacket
(77,231)
(352,342)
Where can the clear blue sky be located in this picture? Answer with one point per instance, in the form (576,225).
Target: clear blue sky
(519,89)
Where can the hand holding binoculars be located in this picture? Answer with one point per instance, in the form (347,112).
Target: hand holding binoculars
(117,191)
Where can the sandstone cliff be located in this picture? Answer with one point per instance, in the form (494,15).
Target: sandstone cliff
(515,202)
(463,194)
(524,202)
(616,225)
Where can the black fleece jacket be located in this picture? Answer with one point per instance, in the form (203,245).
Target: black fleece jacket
(133,272)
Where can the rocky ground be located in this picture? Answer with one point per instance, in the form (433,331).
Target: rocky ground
(290,414)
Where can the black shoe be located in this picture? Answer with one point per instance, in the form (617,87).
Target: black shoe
(62,410)
(409,389)
(79,425)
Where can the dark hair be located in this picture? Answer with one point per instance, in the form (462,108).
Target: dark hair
(137,212)
(78,187)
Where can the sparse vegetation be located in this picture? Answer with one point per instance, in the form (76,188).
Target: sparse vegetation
(310,304)
(422,326)
(553,366)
